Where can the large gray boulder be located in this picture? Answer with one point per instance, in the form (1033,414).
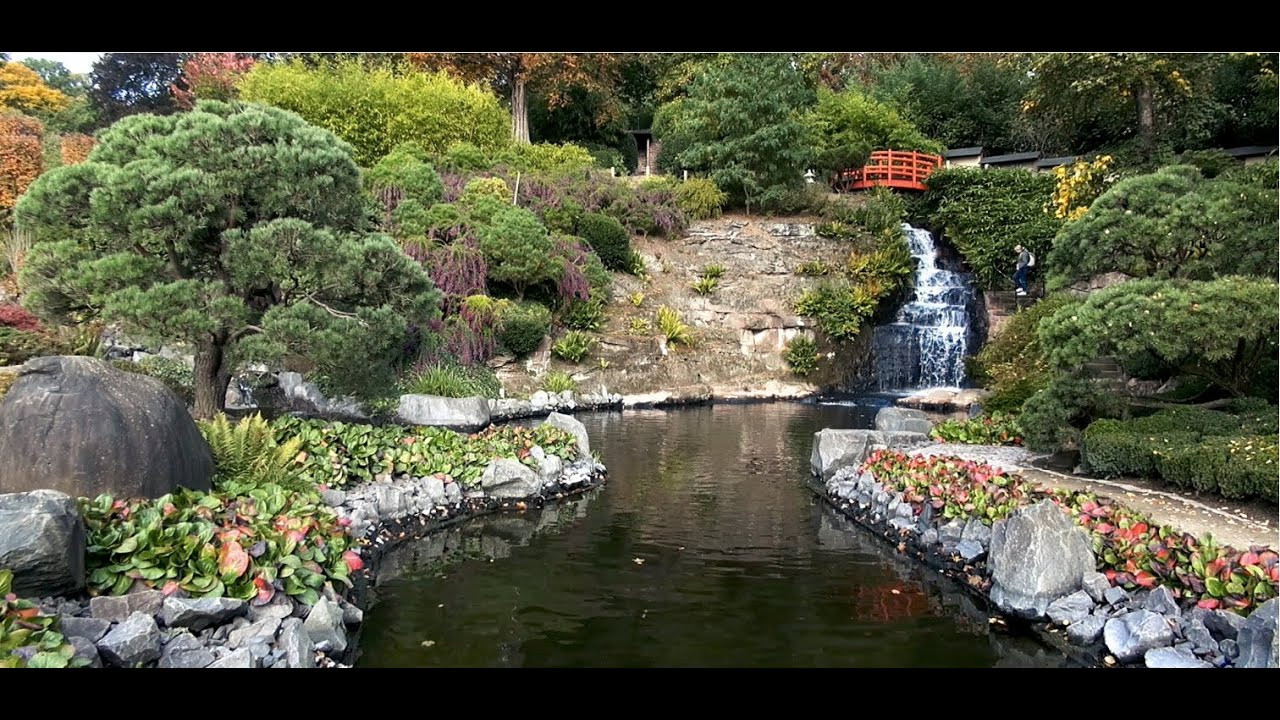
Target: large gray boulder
(507,478)
(81,427)
(42,542)
(837,449)
(200,613)
(1037,556)
(575,428)
(134,641)
(462,414)
(896,419)
(1258,638)
(1131,635)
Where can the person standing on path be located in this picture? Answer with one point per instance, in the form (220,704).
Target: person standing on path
(1025,262)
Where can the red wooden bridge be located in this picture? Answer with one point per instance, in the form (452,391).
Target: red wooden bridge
(905,169)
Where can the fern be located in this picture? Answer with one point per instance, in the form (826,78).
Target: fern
(247,455)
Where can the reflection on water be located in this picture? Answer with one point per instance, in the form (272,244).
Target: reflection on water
(705,548)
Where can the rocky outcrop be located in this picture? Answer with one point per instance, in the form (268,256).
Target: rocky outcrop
(837,449)
(42,540)
(895,419)
(81,427)
(507,478)
(575,428)
(462,414)
(1257,639)
(1037,556)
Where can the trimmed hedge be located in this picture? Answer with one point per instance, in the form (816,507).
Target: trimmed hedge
(608,238)
(523,327)
(1193,449)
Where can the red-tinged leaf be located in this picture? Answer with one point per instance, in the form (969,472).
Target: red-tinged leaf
(344,521)
(1208,604)
(1139,529)
(1111,576)
(1145,579)
(232,559)
(296,535)
(266,590)
(170,588)
(28,613)
(354,562)
(1104,528)
(169,509)
(1249,558)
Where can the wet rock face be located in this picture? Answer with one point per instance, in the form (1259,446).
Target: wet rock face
(1130,636)
(83,428)
(1037,556)
(42,540)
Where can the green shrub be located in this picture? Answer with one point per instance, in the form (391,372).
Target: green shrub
(23,625)
(543,158)
(635,265)
(713,271)
(985,213)
(175,374)
(673,327)
(845,127)
(1116,447)
(518,250)
(18,346)
(881,214)
(1234,467)
(640,326)
(839,307)
(405,168)
(1054,417)
(1012,364)
(574,346)
(813,268)
(585,315)
(523,327)
(608,238)
(989,429)
(464,157)
(802,355)
(557,381)
(455,381)
(1211,162)
(837,230)
(705,285)
(700,198)
(376,109)
(636,299)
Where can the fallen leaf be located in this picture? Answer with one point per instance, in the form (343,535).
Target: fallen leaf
(638,561)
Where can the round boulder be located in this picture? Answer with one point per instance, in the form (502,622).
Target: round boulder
(81,427)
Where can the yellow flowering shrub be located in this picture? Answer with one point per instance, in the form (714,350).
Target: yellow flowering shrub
(1079,184)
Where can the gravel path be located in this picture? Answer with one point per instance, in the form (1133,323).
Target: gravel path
(1234,523)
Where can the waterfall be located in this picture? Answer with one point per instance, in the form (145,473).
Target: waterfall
(925,345)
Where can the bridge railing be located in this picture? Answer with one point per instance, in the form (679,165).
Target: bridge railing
(905,169)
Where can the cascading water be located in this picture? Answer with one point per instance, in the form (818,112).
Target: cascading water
(925,345)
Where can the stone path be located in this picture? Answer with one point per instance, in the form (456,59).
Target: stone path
(1233,523)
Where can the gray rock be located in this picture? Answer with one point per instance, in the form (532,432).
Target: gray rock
(79,426)
(42,540)
(1130,636)
(1087,630)
(1096,584)
(390,501)
(951,532)
(84,648)
(901,523)
(1161,600)
(1201,639)
(904,510)
(433,489)
(970,550)
(837,449)
(258,650)
(929,537)
(453,492)
(895,419)
(1116,595)
(573,427)
(132,642)
(279,608)
(550,467)
(507,478)
(116,608)
(351,615)
(91,629)
(333,498)
(1223,624)
(977,531)
(1037,556)
(200,613)
(235,659)
(296,643)
(185,651)
(1258,641)
(462,414)
(1167,657)
(263,630)
(1071,609)
(324,625)
(1230,648)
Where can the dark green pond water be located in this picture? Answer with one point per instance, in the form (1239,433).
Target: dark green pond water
(705,548)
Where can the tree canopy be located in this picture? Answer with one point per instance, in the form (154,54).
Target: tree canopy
(237,228)
(127,83)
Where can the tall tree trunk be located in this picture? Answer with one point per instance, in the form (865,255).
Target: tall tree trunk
(519,111)
(211,378)
(1146,117)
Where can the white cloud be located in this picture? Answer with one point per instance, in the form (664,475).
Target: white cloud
(76,62)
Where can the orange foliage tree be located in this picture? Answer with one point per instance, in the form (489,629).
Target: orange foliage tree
(75,148)
(552,74)
(22,89)
(21,151)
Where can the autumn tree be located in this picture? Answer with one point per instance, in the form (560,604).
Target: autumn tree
(75,148)
(128,83)
(22,89)
(236,228)
(210,76)
(553,75)
(20,157)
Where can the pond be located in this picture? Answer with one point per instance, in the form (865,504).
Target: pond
(705,548)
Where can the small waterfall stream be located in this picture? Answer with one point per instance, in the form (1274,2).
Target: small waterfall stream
(925,345)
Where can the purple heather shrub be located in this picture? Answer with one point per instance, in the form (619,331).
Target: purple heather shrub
(454,183)
(458,270)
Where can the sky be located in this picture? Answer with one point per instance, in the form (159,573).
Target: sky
(76,62)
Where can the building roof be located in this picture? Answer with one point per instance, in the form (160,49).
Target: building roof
(1011,158)
(1056,161)
(963,152)
(1251,150)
